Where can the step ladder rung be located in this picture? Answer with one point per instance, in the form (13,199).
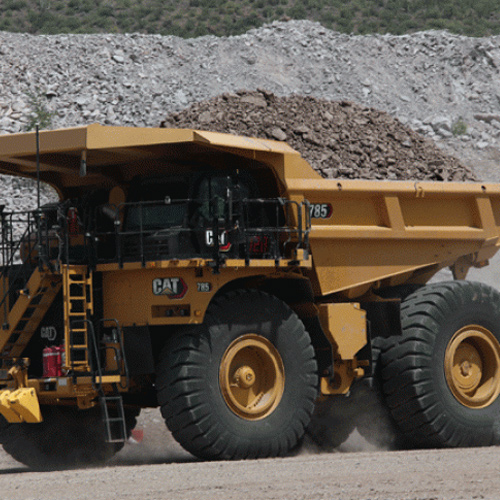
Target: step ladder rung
(116,428)
(78,303)
(108,379)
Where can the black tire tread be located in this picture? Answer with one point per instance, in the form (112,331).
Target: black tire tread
(407,379)
(66,438)
(180,401)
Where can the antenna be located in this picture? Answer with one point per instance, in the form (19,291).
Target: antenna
(41,256)
(37,134)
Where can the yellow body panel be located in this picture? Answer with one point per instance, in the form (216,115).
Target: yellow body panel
(345,323)
(395,231)
(96,155)
(6,408)
(191,290)
(376,231)
(399,231)
(20,405)
(364,234)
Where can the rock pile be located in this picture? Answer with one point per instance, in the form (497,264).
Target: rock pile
(339,139)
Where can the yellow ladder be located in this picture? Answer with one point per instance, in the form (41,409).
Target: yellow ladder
(27,313)
(78,307)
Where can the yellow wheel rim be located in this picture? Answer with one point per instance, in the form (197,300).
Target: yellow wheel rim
(252,377)
(472,366)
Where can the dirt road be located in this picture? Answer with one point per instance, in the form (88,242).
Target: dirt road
(151,471)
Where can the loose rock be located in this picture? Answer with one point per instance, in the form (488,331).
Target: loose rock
(339,139)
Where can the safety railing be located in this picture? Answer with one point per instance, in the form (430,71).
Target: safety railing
(215,229)
(25,243)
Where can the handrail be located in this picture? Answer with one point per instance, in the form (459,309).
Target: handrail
(141,234)
(25,245)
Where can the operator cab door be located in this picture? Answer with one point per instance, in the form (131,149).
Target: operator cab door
(156,221)
(227,214)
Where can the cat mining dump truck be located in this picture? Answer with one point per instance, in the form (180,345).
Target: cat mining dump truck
(223,280)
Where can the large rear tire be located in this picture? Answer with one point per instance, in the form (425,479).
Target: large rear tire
(66,438)
(243,384)
(331,423)
(442,380)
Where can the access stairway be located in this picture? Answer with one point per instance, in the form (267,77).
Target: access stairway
(84,352)
(27,312)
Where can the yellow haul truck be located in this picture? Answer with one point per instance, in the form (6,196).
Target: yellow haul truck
(222,279)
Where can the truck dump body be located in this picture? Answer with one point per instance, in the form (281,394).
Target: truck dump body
(388,233)
(224,280)
(370,231)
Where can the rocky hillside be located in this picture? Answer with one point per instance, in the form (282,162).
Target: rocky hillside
(441,85)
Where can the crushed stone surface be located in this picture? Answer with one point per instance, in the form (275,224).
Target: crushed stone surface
(340,139)
(441,85)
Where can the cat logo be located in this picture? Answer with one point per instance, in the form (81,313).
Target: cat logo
(173,288)
(224,244)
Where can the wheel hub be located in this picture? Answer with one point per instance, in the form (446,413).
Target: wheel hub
(252,377)
(468,369)
(465,368)
(244,377)
(472,366)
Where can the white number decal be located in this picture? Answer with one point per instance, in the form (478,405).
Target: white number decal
(320,210)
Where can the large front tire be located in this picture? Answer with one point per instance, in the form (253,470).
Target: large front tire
(243,384)
(442,380)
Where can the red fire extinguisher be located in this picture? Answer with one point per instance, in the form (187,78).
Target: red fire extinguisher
(73,222)
(49,362)
(52,361)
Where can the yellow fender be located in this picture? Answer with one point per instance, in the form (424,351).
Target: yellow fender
(20,405)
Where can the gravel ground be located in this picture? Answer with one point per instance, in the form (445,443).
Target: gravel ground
(158,468)
(138,473)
